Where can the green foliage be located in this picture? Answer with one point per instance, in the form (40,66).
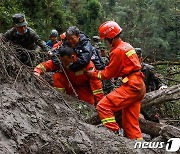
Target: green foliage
(171,110)
(93,8)
(152,25)
(7,8)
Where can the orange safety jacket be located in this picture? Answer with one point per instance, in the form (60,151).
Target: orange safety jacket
(57,45)
(77,79)
(123,62)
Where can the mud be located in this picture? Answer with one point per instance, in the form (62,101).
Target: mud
(33,122)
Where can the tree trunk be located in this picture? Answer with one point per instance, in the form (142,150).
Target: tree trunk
(161,96)
(156,129)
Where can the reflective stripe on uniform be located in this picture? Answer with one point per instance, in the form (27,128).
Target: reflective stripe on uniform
(130,53)
(106,120)
(41,66)
(125,80)
(139,139)
(98,91)
(99,75)
(61,90)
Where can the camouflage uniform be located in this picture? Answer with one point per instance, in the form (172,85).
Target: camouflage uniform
(108,85)
(152,81)
(30,40)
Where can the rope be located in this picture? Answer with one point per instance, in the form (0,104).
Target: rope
(61,66)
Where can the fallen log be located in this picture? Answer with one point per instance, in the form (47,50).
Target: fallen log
(161,96)
(150,127)
(147,127)
(159,129)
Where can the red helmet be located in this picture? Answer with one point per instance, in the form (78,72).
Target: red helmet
(63,36)
(109,29)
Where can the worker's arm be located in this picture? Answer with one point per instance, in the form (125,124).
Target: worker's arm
(47,66)
(113,67)
(8,34)
(38,41)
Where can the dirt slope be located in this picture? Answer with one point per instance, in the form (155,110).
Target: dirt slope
(35,119)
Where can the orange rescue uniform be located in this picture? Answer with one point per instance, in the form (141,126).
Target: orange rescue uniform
(123,63)
(87,88)
(57,45)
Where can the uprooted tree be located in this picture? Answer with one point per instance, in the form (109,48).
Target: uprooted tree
(35,118)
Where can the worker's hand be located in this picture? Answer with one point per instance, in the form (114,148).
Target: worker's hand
(38,76)
(36,73)
(50,53)
(90,72)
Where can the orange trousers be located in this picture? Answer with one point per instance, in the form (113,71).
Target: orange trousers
(127,98)
(83,91)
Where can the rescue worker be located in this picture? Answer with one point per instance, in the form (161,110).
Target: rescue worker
(62,37)
(152,82)
(96,41)
(23,35)
(108,85)
(83,49)
(52,39)
(88,89)
(26,37)
(104,56)
(123,63)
